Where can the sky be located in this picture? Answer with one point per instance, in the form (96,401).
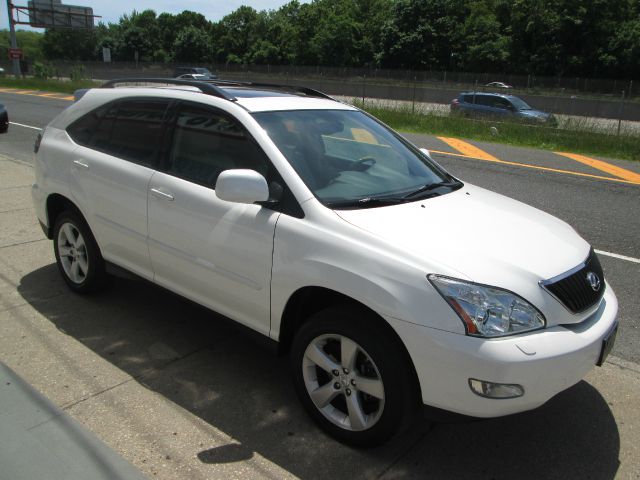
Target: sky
(112,10)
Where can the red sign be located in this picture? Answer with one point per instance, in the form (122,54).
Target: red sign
(15,53)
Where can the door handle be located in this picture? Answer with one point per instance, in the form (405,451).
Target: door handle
(161,194)
(81,164)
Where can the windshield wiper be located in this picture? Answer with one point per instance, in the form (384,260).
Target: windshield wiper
(431,186)
(366,202)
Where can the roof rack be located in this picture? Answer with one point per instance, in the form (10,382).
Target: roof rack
(205,87)
(310,92)
(212,87)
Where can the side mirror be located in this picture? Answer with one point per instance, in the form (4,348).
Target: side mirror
(242,186)
(427,153)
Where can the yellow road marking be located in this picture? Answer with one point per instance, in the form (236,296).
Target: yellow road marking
(468,149)
(604,166)
(33,93)
(537,167)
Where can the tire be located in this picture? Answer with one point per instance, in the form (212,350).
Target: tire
(77,254)
(334,394)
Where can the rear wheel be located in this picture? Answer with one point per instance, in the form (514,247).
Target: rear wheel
(77,253)
(352,380)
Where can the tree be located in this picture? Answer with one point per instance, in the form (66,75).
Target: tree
(68,44)
(487,47)
(237,32)
(29,42)
(192,45)
(423,33)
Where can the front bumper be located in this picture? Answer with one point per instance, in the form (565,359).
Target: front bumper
(545,362)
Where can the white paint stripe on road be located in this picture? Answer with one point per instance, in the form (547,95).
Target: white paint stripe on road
(617,255)
(25,126)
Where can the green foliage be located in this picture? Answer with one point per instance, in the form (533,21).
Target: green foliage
(68,44)
(27,40)
(191,45)
(77,73)
(43,71)
(587,136)
(47,85)
(578,38)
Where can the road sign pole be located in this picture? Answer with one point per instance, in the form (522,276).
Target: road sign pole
(14,43)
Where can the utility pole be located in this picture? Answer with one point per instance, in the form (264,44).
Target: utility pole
(14,43)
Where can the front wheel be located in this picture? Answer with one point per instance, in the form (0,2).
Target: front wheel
(352,380)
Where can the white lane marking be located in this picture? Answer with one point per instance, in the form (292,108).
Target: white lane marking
(25,126)
(617,255)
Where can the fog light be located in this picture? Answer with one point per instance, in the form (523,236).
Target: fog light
(495,390)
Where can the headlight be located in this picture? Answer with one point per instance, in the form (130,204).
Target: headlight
(488,311)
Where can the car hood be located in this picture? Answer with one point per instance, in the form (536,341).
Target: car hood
(534,114)
(484,236)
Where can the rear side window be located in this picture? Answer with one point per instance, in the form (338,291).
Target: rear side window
(206,142)
(136,130)
(128,129)
(82,130)
(102,133)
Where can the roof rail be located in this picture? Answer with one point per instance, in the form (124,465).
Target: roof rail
(310,92)
(205,87)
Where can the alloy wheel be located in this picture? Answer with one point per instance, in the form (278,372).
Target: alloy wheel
(343,382)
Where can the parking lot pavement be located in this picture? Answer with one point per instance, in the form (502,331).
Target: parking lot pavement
(181,393)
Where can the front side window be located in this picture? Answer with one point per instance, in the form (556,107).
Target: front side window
(347,158)
(206,142)
(501,103)
(520,104)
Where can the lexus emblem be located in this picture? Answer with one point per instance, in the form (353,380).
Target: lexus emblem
(594,281)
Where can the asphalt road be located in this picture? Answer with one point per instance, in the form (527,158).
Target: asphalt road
(606,213)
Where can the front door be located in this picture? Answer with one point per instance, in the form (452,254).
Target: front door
(216,253)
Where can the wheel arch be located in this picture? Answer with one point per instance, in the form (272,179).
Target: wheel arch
(56,204)
(308,300)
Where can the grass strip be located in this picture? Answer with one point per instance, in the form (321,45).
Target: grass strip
(586,137)
(48,85)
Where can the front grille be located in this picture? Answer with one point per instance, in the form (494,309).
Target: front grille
(574,288)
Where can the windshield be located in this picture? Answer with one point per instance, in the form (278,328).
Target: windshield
(349,160)
(203,71)
(519,103)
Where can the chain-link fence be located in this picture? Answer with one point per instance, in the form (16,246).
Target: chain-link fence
(604,98)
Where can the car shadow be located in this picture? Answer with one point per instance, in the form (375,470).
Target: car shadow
(204,363)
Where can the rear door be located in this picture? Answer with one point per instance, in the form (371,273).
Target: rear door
(216,253)
(111,169)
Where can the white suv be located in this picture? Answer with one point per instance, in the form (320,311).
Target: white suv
(389,282)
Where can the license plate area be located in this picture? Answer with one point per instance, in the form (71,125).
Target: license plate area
(607,345)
